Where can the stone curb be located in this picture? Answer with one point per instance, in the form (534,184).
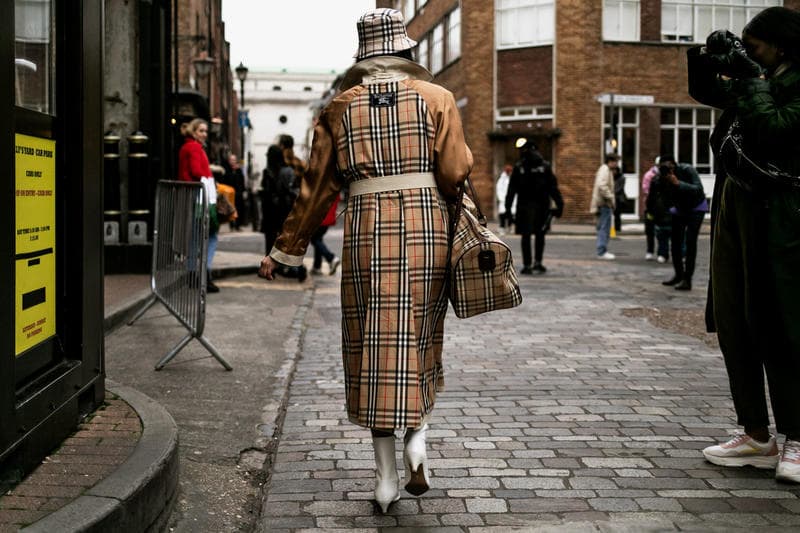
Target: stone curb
(140,493)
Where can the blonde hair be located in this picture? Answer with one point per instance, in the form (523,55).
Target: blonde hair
(194,125)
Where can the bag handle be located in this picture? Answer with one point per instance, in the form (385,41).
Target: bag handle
(481,217)
(460,205)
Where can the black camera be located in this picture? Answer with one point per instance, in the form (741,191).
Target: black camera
(723,42)
(728,56)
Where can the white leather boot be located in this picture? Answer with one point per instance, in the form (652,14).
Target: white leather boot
(415,457)
(386,478)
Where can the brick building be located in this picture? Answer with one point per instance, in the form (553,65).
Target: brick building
(165,62)
(203,75)
(578,77)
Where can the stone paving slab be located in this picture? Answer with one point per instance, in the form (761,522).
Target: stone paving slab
(562,414)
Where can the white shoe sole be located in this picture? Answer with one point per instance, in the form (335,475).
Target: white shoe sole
(757,461)
(791,478)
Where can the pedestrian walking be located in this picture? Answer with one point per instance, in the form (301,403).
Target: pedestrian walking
(505,216)
(603,204)
(397,141)
(620,198)
(534,186)
(193,166)
(658,211)
(278,194)
(321,250)
(688,206)
(754,287)
(649,224)
(286,143)
(235,178)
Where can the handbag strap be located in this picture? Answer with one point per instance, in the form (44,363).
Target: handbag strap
(481,217)
(460,205)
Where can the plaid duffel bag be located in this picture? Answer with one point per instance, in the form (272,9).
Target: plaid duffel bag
(481,273)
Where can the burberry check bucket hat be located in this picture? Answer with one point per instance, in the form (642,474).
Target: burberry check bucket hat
(381,32)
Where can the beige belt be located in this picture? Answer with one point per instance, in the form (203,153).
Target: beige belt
(416,180)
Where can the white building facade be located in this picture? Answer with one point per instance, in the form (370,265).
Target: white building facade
(280,102)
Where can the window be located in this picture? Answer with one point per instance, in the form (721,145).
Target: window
(524,113)
(437,48)
(407,8)
(621,20)
(693,20)
(453,35)
(422,52)
(625,121)
(34,55)
(685,132)
(524,23)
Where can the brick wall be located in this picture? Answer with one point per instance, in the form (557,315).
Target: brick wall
(586,67)
(527,76)
(470,78)
(650,20)
(576,70)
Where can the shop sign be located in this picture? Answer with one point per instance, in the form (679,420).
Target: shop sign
(35,243)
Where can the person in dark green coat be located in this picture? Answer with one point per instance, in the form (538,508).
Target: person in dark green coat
(754,293)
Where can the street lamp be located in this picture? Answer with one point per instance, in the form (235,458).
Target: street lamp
(241,73)
(202,64)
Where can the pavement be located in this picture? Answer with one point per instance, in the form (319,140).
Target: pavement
(573,412)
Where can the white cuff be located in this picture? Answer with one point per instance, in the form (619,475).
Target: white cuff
(286,259)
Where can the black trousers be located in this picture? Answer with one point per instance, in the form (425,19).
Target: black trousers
(685,229)
(538,247)
(755,263)
(650,233)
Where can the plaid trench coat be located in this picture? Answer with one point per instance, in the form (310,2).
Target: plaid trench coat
(387,120)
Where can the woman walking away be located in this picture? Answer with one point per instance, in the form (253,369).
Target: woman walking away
(397,140)
(755,251)
(278,194)
(193,166)
(321,250)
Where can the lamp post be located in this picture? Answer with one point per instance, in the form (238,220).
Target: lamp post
(202,66)
(241,73)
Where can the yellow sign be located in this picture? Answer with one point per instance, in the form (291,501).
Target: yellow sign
(35,196)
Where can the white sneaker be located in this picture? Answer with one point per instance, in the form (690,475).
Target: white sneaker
(661,259)
(744,450)
(789,466)
(608,256)
(335,262)
(315,272)
(649,257)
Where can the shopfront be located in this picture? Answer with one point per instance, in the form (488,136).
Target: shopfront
(51,167)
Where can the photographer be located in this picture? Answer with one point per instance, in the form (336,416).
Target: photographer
(755,253)
(683,193)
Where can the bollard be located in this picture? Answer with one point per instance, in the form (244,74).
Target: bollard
(140,192)
(111,196)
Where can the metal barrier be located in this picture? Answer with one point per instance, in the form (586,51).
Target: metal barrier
(180,249)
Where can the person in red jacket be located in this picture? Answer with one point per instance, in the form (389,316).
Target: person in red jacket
(320,249)
(193,166)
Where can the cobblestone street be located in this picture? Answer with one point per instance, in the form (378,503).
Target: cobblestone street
(563,412)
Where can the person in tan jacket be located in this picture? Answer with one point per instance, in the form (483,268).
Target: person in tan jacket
(396,140)
(603,204)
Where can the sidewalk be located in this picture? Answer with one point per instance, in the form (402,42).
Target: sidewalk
(572,411)
(119,470)
(565,414)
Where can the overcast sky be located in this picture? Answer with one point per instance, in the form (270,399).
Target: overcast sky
(293,34)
